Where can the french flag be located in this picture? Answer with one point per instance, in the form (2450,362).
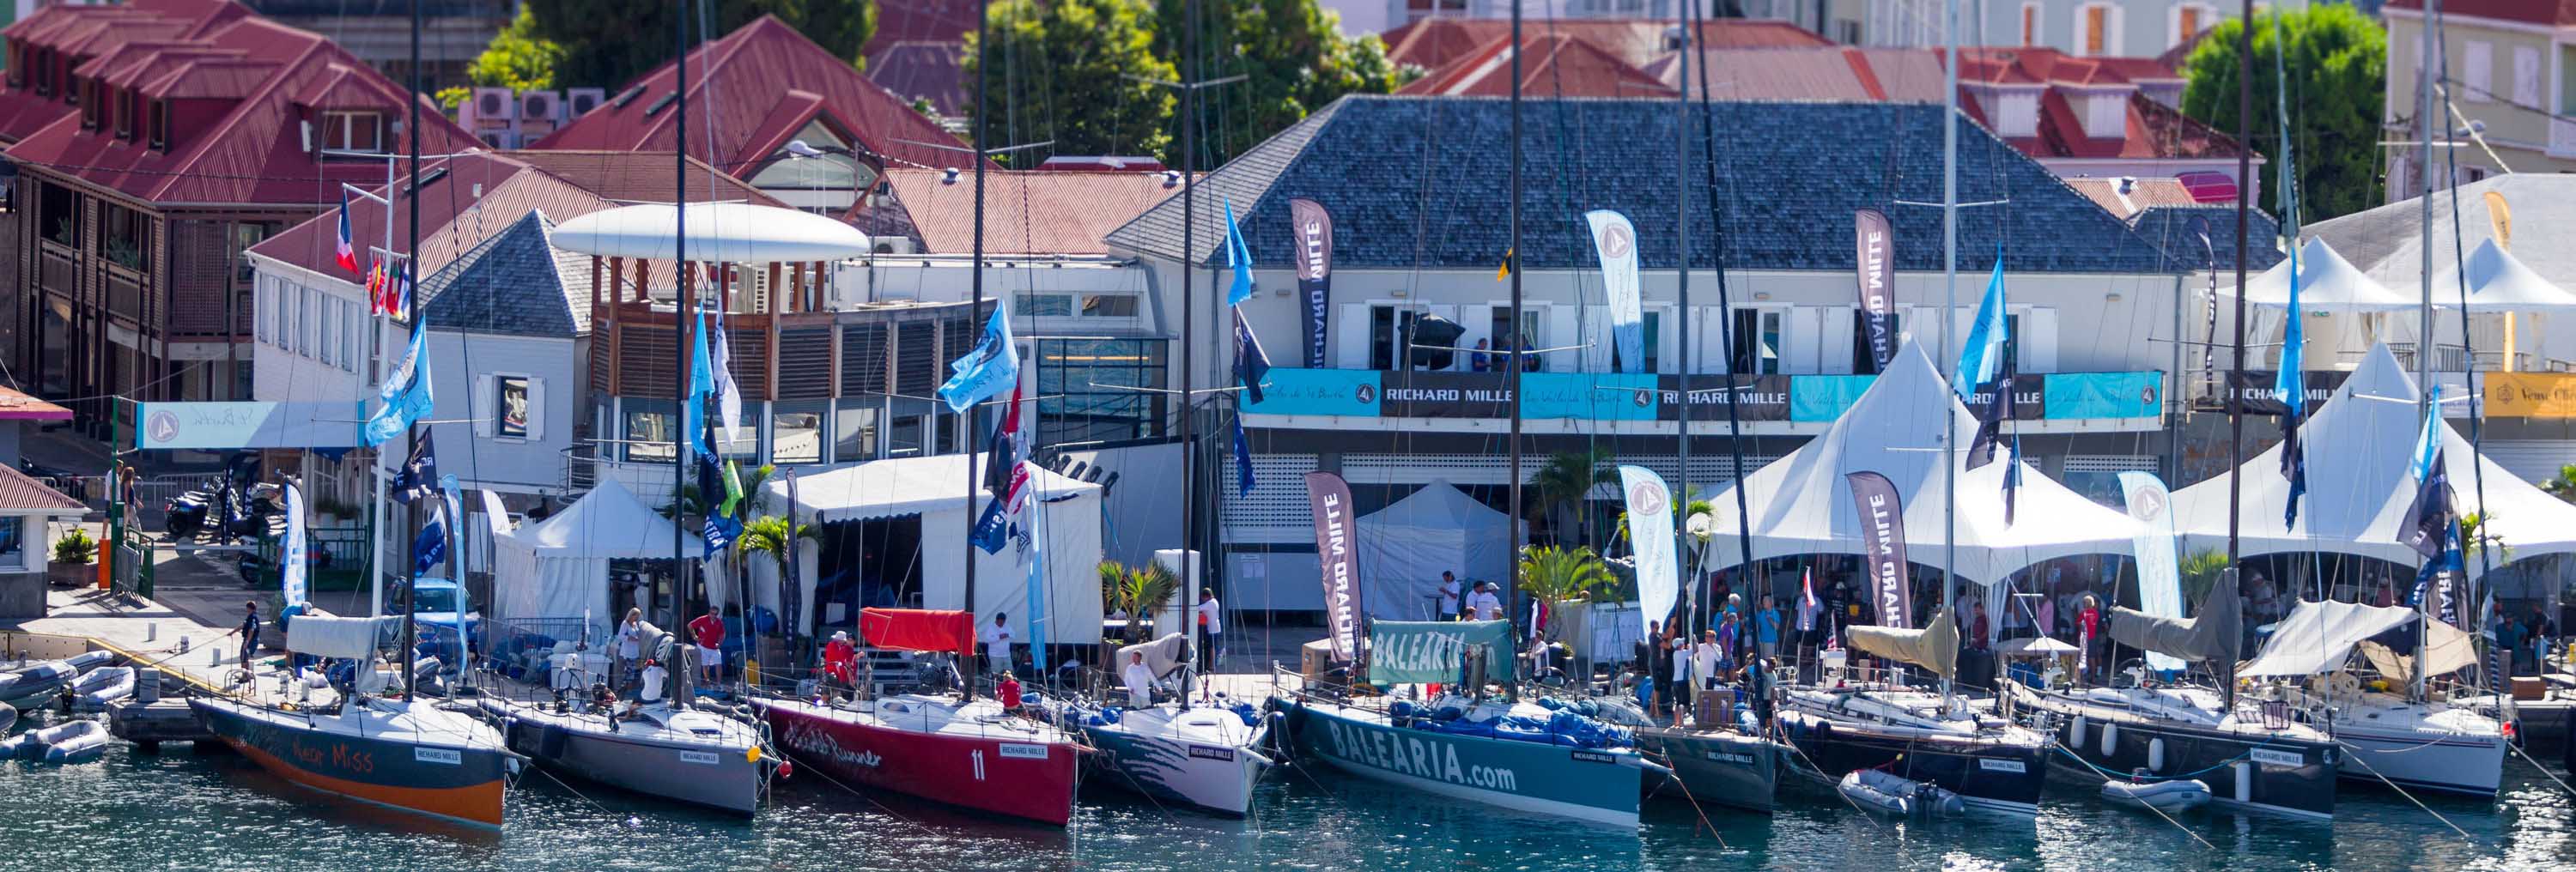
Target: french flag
(348,252)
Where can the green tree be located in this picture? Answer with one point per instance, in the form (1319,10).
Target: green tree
(2564,486)
(1079,72)
(773,536)
(2338,73)
(1293,55)
(1135,591)
(607,43)
(1566,481)
(1560,575)
(517,59)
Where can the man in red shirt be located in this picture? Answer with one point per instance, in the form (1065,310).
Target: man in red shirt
(840,661)
(710,632)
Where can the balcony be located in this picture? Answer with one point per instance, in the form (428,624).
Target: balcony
(2562,137)
(2067,402)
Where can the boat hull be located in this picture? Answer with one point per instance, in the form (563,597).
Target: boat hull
(462,783)
(695,773)
(2281,775)
(1992,776)
(1213,777)
(2448,763)
(1590,785)
(1028,780)
(1728,769)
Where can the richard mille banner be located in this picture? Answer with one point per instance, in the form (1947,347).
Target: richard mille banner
(1314,229)
(1648,397)
(1877,265)
(1882,538)
(1337,560)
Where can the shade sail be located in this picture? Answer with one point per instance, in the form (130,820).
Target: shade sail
(2360,449)
(2447,650)
(2213,631)
(1801,504)
(717,233)
(2327,283)
(2499,282)
(2317,636)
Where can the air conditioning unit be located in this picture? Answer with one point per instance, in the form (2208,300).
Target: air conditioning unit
(503,139)
(494,107)
(579,101)
(533,129)
(541,105)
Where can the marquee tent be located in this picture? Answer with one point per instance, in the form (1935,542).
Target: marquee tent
(558,568)
(2360,450)
(1801,503)
(1405,546)
(933,488)
(2327,283)
(2500,282)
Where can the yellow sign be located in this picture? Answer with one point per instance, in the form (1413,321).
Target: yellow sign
(2531,394)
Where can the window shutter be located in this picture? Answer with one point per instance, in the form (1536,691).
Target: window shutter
(2039,349)
(484,407)
(1835,351)
(1351,337)
(536,408)
(1557,328)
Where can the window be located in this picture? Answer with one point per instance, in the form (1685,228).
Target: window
(1654,342)
(2030,24)
(510,406)
(264,310)
(1045,305)
(2012,342)
(1109,305)
(796,432)
(160,128)
(1500,329)
(352,335)
(59,208)
(308,337)
(1389,328)
(89,104)
(1753,344)
(2478,68)
(129,236)
(2526,75)
(1071,409)
(1863,361)
(1847,32)
(747,448)
(648,429)
(246,234)
(854,429)
(2096,35)
(123,100)
(329,352)
(352,131)
(12,541)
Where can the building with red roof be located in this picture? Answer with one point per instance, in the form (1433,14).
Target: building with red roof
(1431,43)
(1551,63)
(187,131)
(1046,212)
(752,93)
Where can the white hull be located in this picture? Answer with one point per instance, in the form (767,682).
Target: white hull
(2465,764)
(1203,757)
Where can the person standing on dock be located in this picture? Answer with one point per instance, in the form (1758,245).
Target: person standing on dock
(709,630)
(249,632)
(1449,594)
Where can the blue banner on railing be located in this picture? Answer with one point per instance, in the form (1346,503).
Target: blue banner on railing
(1646,397)
(227,426)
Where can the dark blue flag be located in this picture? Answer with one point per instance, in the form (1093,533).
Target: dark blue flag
(2294,466)
(1242,459)
(418,478)
(992,530)
(2430,518)
(430,546)
(719,533)
(1251,365)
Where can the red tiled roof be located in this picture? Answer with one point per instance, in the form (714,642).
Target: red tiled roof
(563,184)
(1773,74)
(20,493)
(1046,212)
(2144,193)
(924,69)
(17,406)
(743,79)
(902,21)
(1431,43)
(2557,12)
(1551,64)
(246,77)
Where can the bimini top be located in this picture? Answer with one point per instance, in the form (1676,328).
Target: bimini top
(718,233)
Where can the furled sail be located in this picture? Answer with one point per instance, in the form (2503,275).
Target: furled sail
(1935,647)
(2211,633)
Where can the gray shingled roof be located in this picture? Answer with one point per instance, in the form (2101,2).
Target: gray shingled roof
(515,283)
(1419,182)
(2177,230)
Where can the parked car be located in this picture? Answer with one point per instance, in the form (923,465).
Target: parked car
(433,612)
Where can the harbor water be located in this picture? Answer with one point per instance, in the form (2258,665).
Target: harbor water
(182,809)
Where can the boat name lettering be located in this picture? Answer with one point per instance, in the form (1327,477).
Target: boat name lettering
(1425,651)
(811,739)
(338,756)
(441,756)
(1205,752)
(2002,766)
(702,758)
(1595,757)
(2271,757)
(1023,751)
(1415,755)
(1729,757)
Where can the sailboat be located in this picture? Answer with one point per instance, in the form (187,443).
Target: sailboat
(2407,739)
(657,745)
(1206,757)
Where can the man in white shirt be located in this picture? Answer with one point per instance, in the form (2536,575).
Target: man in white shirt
(1140,681)
(1703,661)
(1680,690)
(1485,605)
(1211,622)
(1448,595)
(630,645)
(997,644)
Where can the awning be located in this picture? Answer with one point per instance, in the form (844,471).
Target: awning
(2318,636)
(2500,282)
(917,630)
(717,233)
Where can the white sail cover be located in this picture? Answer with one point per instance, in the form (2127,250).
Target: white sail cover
(1801,504)
(2318,636)
(1935,647)
(2327,283)
(328,636)
(2360,447)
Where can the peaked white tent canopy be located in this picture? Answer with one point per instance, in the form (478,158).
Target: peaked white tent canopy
(2327,283)
(1405,546)
(2360,451)
(1802,505)
(2499,282)
(934,488)
(718,233)
(558,567)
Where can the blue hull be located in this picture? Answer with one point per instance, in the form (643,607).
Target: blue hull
(1600,786)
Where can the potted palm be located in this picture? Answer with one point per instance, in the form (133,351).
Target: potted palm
(73,554)
(1133,591)
(777,537)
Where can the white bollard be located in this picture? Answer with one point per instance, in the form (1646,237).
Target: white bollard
(152,631)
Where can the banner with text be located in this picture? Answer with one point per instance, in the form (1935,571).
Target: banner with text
(227,426)
(1647,397)
(2530,394)
(1876,260)
(1425,652)
(1337,559)
(1314,229)
(1882,537)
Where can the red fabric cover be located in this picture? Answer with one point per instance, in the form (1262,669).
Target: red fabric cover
(918,629)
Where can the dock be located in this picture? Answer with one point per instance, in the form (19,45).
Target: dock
(186,657)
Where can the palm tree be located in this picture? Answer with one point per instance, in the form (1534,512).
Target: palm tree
(1568,479)
(1134,591)
(2564,486)
(1559,575)
(2475,538)
(2199,571)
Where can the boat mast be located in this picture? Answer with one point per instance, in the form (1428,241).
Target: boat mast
(1191,555)
(1520,343)
(682,304)
(1950,313)
(1687,17)
(2236,375)
(2424,76)
(411,435)
(966,421)
(1726,309)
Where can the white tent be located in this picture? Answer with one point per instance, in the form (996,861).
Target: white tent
(2500,282)
(558,568)
(1802,504)
(2327,283)
(1405,546)
(934,488)
(718,233)
(2360,450)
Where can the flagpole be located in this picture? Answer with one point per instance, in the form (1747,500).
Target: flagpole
(974,310)
(376,366)
(2424,172)
(411,433)
(2232,394)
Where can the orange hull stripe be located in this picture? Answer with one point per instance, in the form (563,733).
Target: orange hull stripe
(480,804)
